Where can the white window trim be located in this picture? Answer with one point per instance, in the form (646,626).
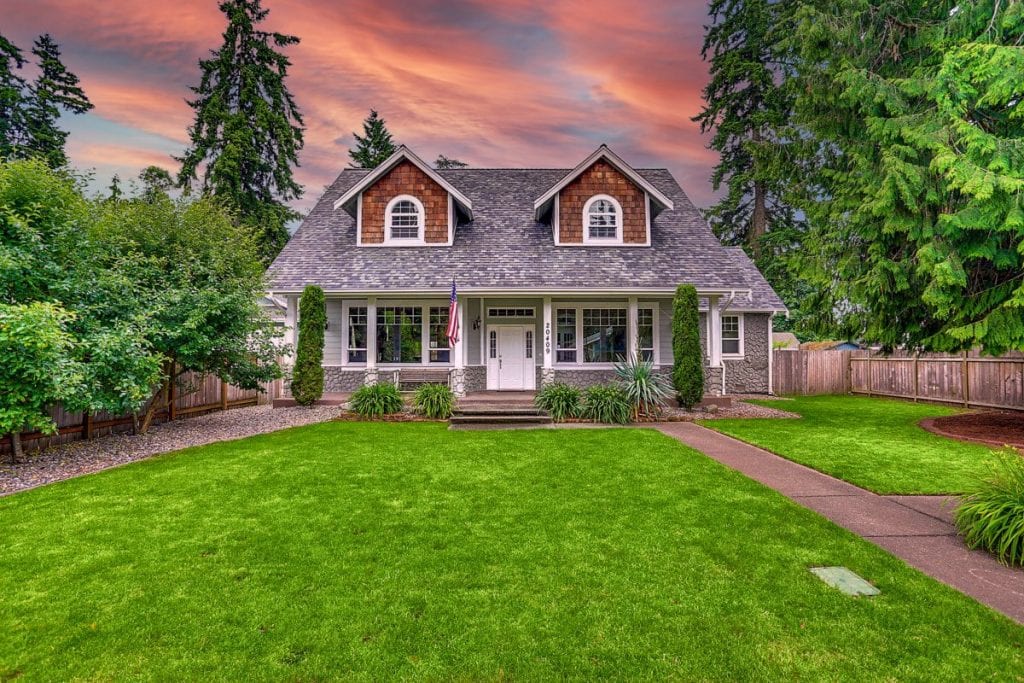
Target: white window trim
(739,316)
(345,306)
(424,306)
(579,306)
(421,223)
(530,316)
(587,239)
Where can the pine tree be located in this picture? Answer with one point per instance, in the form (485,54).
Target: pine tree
(917,200)
(444,162)
(12,99)
(247,130)
(54,90)
(374,146)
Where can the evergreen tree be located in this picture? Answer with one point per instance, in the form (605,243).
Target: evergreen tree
(308,378)
(247,130)
(374,146)
(916,204)
(747,107)
(156,182)
(12,99)
(114,190)
(688,363)
(55,90)
(444,162)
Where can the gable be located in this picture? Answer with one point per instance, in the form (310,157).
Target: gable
(405,178)
(601,178)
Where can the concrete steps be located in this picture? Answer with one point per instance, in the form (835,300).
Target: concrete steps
(492,416)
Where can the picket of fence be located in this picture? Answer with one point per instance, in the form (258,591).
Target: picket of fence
(969,379)
(193,395)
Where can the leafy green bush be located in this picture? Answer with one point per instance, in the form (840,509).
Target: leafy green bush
(646,390)
(377,400)
(688,365)
(559,400)
(606,404)
(308,377)
(992,516)
(436,401)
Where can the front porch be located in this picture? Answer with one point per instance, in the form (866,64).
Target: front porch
(507,342)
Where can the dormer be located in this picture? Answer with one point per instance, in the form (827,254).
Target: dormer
(601,202)
(405,203)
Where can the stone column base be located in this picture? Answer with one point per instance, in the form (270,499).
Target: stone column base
(457,380)
(547,377)
(370,377)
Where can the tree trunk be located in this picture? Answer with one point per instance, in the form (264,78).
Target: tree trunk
(759,218)
(16,451)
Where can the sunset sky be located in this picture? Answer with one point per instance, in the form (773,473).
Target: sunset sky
(491,82)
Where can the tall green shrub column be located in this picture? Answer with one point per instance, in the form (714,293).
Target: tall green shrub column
(308,375)
(688,368)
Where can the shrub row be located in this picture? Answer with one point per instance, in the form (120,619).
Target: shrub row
(434,401)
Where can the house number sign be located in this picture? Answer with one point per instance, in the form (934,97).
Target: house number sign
(547,338)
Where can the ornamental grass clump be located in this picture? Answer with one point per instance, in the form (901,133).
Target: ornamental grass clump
(377,400)
(608,404)
(559,400)
(992,515)
(435,401)
(646,390)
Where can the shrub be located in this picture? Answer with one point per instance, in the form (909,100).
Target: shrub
(377,400)
(435,401)
(606,404)
(308,376)
(992,516)
(688,366)
(559,400)
(645,389)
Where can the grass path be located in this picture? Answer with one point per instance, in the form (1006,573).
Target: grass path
(382,551)
(871,442)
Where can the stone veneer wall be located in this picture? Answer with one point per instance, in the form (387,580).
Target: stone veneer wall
(340,380)
(749,375)
(476,378)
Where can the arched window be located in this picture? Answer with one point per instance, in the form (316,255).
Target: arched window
(403,219)
(602,219)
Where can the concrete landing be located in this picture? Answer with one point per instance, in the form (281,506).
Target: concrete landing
(917,529)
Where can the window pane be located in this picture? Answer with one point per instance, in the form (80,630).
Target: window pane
(405,220)
(602,220)
(604,335)
(357,334)
(493,344)
(565,339)
(645,329)
(399,334)
(730,334)
(529,343)
(438,335)
(731,346)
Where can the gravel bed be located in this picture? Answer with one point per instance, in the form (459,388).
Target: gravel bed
(80,457)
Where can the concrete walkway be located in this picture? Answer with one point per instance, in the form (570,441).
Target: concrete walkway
(917,529)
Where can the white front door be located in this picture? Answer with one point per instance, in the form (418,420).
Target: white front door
(510,358)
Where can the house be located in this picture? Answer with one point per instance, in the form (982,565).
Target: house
(785,341)
(831,346)
(559,274)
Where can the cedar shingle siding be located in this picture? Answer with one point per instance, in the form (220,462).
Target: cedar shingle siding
(602,178)
(405,178)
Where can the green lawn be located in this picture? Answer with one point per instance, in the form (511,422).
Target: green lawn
(382,551)
(871,442)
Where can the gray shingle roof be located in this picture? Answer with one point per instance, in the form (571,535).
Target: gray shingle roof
(505,247)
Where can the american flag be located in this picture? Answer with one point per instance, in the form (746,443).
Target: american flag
(453,318)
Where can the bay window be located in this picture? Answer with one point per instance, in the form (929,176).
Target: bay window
(591,333)
(399,334)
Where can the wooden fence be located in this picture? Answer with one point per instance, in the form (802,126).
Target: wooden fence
(193,395)
(969,379)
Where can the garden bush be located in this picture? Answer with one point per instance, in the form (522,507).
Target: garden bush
(308,376)
(992,515)
(377,400)
(436,401)
(559,400)
(608,404)
(688,365)
(646,390)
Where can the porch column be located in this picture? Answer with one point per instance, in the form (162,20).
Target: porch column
(547,371)
(370,376)
(715,332)
(632,330)
(291,317)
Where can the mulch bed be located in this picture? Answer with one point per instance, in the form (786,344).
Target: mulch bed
(990,428)
(346,416)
